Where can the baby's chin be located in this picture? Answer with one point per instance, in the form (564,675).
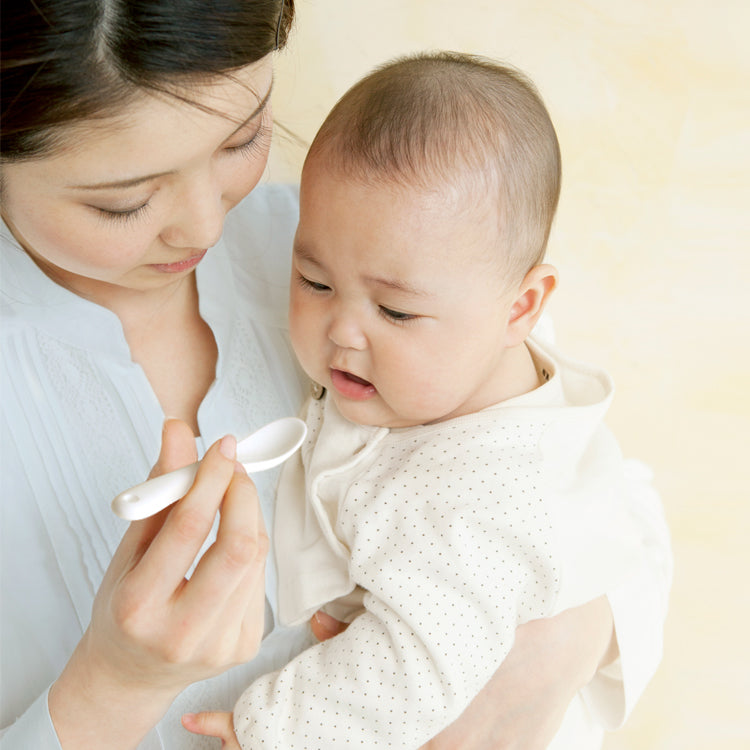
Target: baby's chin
(372,414)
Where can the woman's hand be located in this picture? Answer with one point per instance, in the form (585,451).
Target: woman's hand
(522,706)
(152,631)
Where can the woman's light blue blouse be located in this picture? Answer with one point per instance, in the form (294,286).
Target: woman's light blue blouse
(79,423)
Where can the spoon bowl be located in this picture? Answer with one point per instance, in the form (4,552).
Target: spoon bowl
(263,449)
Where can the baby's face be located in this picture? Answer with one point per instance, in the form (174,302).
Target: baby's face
(396,306)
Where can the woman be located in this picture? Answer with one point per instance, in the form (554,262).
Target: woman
(128,134)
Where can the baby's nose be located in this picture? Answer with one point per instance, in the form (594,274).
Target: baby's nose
(346,333)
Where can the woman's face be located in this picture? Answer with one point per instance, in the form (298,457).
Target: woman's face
(134,202)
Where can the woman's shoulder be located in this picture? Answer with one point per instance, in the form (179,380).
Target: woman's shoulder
(257,241)
(259,231)
(267,218)
(278,198)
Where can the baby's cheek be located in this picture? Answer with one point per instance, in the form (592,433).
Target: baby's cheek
(307,348)
(296,329)
(420,399)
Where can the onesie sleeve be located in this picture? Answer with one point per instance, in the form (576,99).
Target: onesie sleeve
(639,608)
(428,554)
(33,728)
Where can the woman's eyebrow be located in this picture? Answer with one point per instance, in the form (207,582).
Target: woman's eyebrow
(121,183)
(133,181)
(261,106)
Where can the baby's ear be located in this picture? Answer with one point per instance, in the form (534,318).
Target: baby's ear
(531,298)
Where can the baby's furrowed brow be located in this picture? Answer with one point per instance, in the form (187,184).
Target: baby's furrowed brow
(399,285)
(304,254)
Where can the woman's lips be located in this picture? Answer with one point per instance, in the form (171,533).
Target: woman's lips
(350,386)
(180,265)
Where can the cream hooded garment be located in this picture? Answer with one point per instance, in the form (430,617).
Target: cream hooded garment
(438,541)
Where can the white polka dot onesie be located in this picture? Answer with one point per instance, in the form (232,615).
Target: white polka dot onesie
(437,542)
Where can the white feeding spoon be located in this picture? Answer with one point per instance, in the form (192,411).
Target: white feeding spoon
(267,447)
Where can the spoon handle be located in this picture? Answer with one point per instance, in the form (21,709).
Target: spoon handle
(155,494)
(263,449)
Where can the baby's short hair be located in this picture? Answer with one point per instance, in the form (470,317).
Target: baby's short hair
(460,119)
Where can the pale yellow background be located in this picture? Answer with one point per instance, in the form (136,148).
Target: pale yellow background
(652,107)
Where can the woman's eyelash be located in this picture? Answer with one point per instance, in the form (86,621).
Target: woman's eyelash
(257,141)
(125,215)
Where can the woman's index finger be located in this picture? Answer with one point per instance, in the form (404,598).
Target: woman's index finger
(174,547)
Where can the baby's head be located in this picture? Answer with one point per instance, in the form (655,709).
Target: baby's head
(456,125)
(427,199)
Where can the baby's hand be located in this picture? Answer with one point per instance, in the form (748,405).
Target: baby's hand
(213,724)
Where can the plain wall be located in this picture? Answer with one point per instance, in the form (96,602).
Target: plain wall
(651,104)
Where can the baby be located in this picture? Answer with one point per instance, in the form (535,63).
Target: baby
(457,469)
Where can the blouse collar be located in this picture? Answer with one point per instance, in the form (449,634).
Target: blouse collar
(29,295)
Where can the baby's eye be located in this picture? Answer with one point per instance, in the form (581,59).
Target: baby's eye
(314,285)
(395,316)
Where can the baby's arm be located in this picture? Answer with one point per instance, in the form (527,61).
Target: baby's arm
(398,675)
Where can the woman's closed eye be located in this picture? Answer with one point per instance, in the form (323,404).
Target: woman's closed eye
(257,142)
(122,214)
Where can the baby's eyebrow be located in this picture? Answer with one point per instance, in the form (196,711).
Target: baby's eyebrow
(304,254)
(301,252)
(399,285)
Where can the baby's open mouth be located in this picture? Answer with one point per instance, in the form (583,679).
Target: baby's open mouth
(352,386)
(355,378)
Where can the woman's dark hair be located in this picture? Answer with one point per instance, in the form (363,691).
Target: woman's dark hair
(65,61)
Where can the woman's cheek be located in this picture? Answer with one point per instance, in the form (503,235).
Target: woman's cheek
(246,175)
(250,179)
(102,249)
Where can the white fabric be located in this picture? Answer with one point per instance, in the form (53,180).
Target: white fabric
(485,522)
(80,423)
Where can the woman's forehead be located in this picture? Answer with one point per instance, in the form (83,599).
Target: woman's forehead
(189,111)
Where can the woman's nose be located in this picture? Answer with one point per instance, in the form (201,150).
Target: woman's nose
(345,332)
(199,218)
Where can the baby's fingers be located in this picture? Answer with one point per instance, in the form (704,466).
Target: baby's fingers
(213,724)
(324,626)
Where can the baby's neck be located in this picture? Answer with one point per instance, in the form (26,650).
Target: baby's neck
(516,375)
(519,375)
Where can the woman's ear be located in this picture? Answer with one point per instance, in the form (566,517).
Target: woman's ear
(531,299)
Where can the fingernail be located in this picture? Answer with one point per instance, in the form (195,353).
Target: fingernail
(228,447)
(324,619)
